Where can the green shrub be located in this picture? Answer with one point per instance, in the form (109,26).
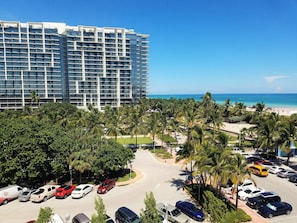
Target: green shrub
(236,216)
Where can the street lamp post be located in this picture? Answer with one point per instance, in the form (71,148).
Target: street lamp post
(130,162)
(70,171)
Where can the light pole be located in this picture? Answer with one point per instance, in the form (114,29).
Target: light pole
(70,171)
(130,162)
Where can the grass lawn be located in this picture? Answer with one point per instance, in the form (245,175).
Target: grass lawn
(140,140)
(126,177)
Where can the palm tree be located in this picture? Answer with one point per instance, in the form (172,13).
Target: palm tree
(238,171)
(136,124)
(153,125)
(34,97)
(287,136)
(113,123)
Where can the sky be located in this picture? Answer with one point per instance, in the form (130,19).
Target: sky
(195,46)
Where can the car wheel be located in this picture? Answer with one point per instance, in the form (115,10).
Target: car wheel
(288,212)
(45,198)
(5,202)
(83,195)
(270,216)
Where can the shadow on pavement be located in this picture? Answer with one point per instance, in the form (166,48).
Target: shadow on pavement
(178,183)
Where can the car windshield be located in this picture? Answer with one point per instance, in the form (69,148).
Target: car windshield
(77,189)
(195,209)
(248,191)
(175,212)
(25,193)
(135,219)
(59,190)
(270,206)
(40,191)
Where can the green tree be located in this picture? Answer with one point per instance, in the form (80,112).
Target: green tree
(150,213)
(100,216)
(34,97)
(44,215)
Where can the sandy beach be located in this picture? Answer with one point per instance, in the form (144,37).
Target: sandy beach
(287,111)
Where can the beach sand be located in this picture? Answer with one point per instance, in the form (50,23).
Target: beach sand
(287,111)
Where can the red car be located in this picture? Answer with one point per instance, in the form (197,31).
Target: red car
(105,186)
(264,163)
(64,191)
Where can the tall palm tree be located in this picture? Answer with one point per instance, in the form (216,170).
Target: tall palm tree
(287,136)
(113,123)
(136,125)
(238,171)
(153,125)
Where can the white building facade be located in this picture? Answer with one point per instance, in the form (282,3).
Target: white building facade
(81,65)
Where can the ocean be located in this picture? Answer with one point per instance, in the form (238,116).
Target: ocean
(270,100)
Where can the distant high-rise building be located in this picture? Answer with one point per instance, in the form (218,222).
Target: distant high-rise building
(81,65)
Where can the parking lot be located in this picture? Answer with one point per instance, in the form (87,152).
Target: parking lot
(162,179)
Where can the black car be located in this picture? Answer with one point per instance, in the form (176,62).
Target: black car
(81,218)
(252,159)
(263,199)
(275,208)
(293,178)
(125,215)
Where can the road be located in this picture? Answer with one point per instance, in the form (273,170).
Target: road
(286,190)
(162,179)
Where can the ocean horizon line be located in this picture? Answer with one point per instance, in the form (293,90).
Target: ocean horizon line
(273,100)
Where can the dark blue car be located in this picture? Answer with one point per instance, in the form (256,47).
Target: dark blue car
(190,209)
(275,208)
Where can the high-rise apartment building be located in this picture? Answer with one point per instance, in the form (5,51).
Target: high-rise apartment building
(81,65)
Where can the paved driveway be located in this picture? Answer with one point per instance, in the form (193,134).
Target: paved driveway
(162,179)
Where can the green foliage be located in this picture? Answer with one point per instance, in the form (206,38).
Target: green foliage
(236,216)
(44,215)
(150,213)
(168,139)
(100,216)
(162,153)
(214,206)
(130,140)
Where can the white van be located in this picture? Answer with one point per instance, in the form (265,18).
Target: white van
(56,218)
(9,193)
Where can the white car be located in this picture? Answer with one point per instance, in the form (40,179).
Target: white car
(246,184)
(81,190)
(275,169)
(250,192)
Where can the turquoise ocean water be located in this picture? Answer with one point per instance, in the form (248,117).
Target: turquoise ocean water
(270,100)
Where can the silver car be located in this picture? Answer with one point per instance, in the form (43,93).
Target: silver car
(25,195)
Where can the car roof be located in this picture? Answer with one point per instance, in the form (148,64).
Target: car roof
(82,217)
(268,194)
(127,211)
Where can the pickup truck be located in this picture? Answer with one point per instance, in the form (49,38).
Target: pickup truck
(172,213)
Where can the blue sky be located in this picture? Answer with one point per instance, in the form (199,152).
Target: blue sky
(196,46)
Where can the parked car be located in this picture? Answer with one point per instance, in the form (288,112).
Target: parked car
(293,178)
(264,163)
(81,218)
(26,195)
(245,185)
(64,191)
(9,193)
(275,169)
(173,213)
(105,186)
(125,215)
(258,170)
(81,190)
(275,208)
(109,219)
(286,173)
(55,218)
(250,192)
(43,193)
(269,156)
(262,199)
(252,159)
(190,209)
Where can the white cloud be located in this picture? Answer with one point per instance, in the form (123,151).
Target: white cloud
(273,78)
